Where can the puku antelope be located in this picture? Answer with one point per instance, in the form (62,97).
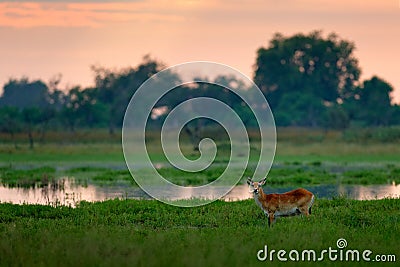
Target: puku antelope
(295,202)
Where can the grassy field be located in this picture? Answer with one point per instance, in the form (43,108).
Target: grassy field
(327,151)
(294,145)
(149,233)
(305,163)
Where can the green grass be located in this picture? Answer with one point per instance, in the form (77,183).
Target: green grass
(290,149)
(150,233)
(338,152)
(281,175)
(319,174)
(372,176)
(61,154)
(186,178)
(26,177)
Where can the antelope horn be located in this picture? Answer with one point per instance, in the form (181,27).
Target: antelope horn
(263,181)
(249,180)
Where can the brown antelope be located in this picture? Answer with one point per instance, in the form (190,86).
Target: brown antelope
(295,202)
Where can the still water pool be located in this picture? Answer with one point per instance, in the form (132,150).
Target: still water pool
(66,191)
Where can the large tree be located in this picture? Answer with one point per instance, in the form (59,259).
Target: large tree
(31,100)
(371,105)
(81,108)
(23,93)
(321,69)
(115,89)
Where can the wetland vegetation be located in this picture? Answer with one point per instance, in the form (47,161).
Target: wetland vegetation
(150,233)
(122,232)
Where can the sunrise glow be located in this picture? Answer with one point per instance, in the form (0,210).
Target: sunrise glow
(43,38)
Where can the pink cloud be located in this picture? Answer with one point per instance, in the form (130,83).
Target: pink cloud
(28,15)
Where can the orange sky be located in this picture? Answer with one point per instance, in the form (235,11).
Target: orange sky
(42,38)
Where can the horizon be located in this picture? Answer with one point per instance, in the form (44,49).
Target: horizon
(45,38)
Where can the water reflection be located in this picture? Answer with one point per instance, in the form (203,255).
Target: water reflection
(66,192)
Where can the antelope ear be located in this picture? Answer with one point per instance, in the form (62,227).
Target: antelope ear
(262,182)
(249,181)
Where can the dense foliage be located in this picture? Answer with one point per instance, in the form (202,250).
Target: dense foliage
(309,80)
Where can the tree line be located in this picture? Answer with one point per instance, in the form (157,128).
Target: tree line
(309,80)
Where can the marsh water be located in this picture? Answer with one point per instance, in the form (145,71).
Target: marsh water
(65,191)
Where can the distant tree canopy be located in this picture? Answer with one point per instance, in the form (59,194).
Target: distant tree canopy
(303,75)
(33,106)
(115,90)
(23,94)
(371,104)
(309,80)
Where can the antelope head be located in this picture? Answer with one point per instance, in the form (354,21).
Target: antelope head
(254,187)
